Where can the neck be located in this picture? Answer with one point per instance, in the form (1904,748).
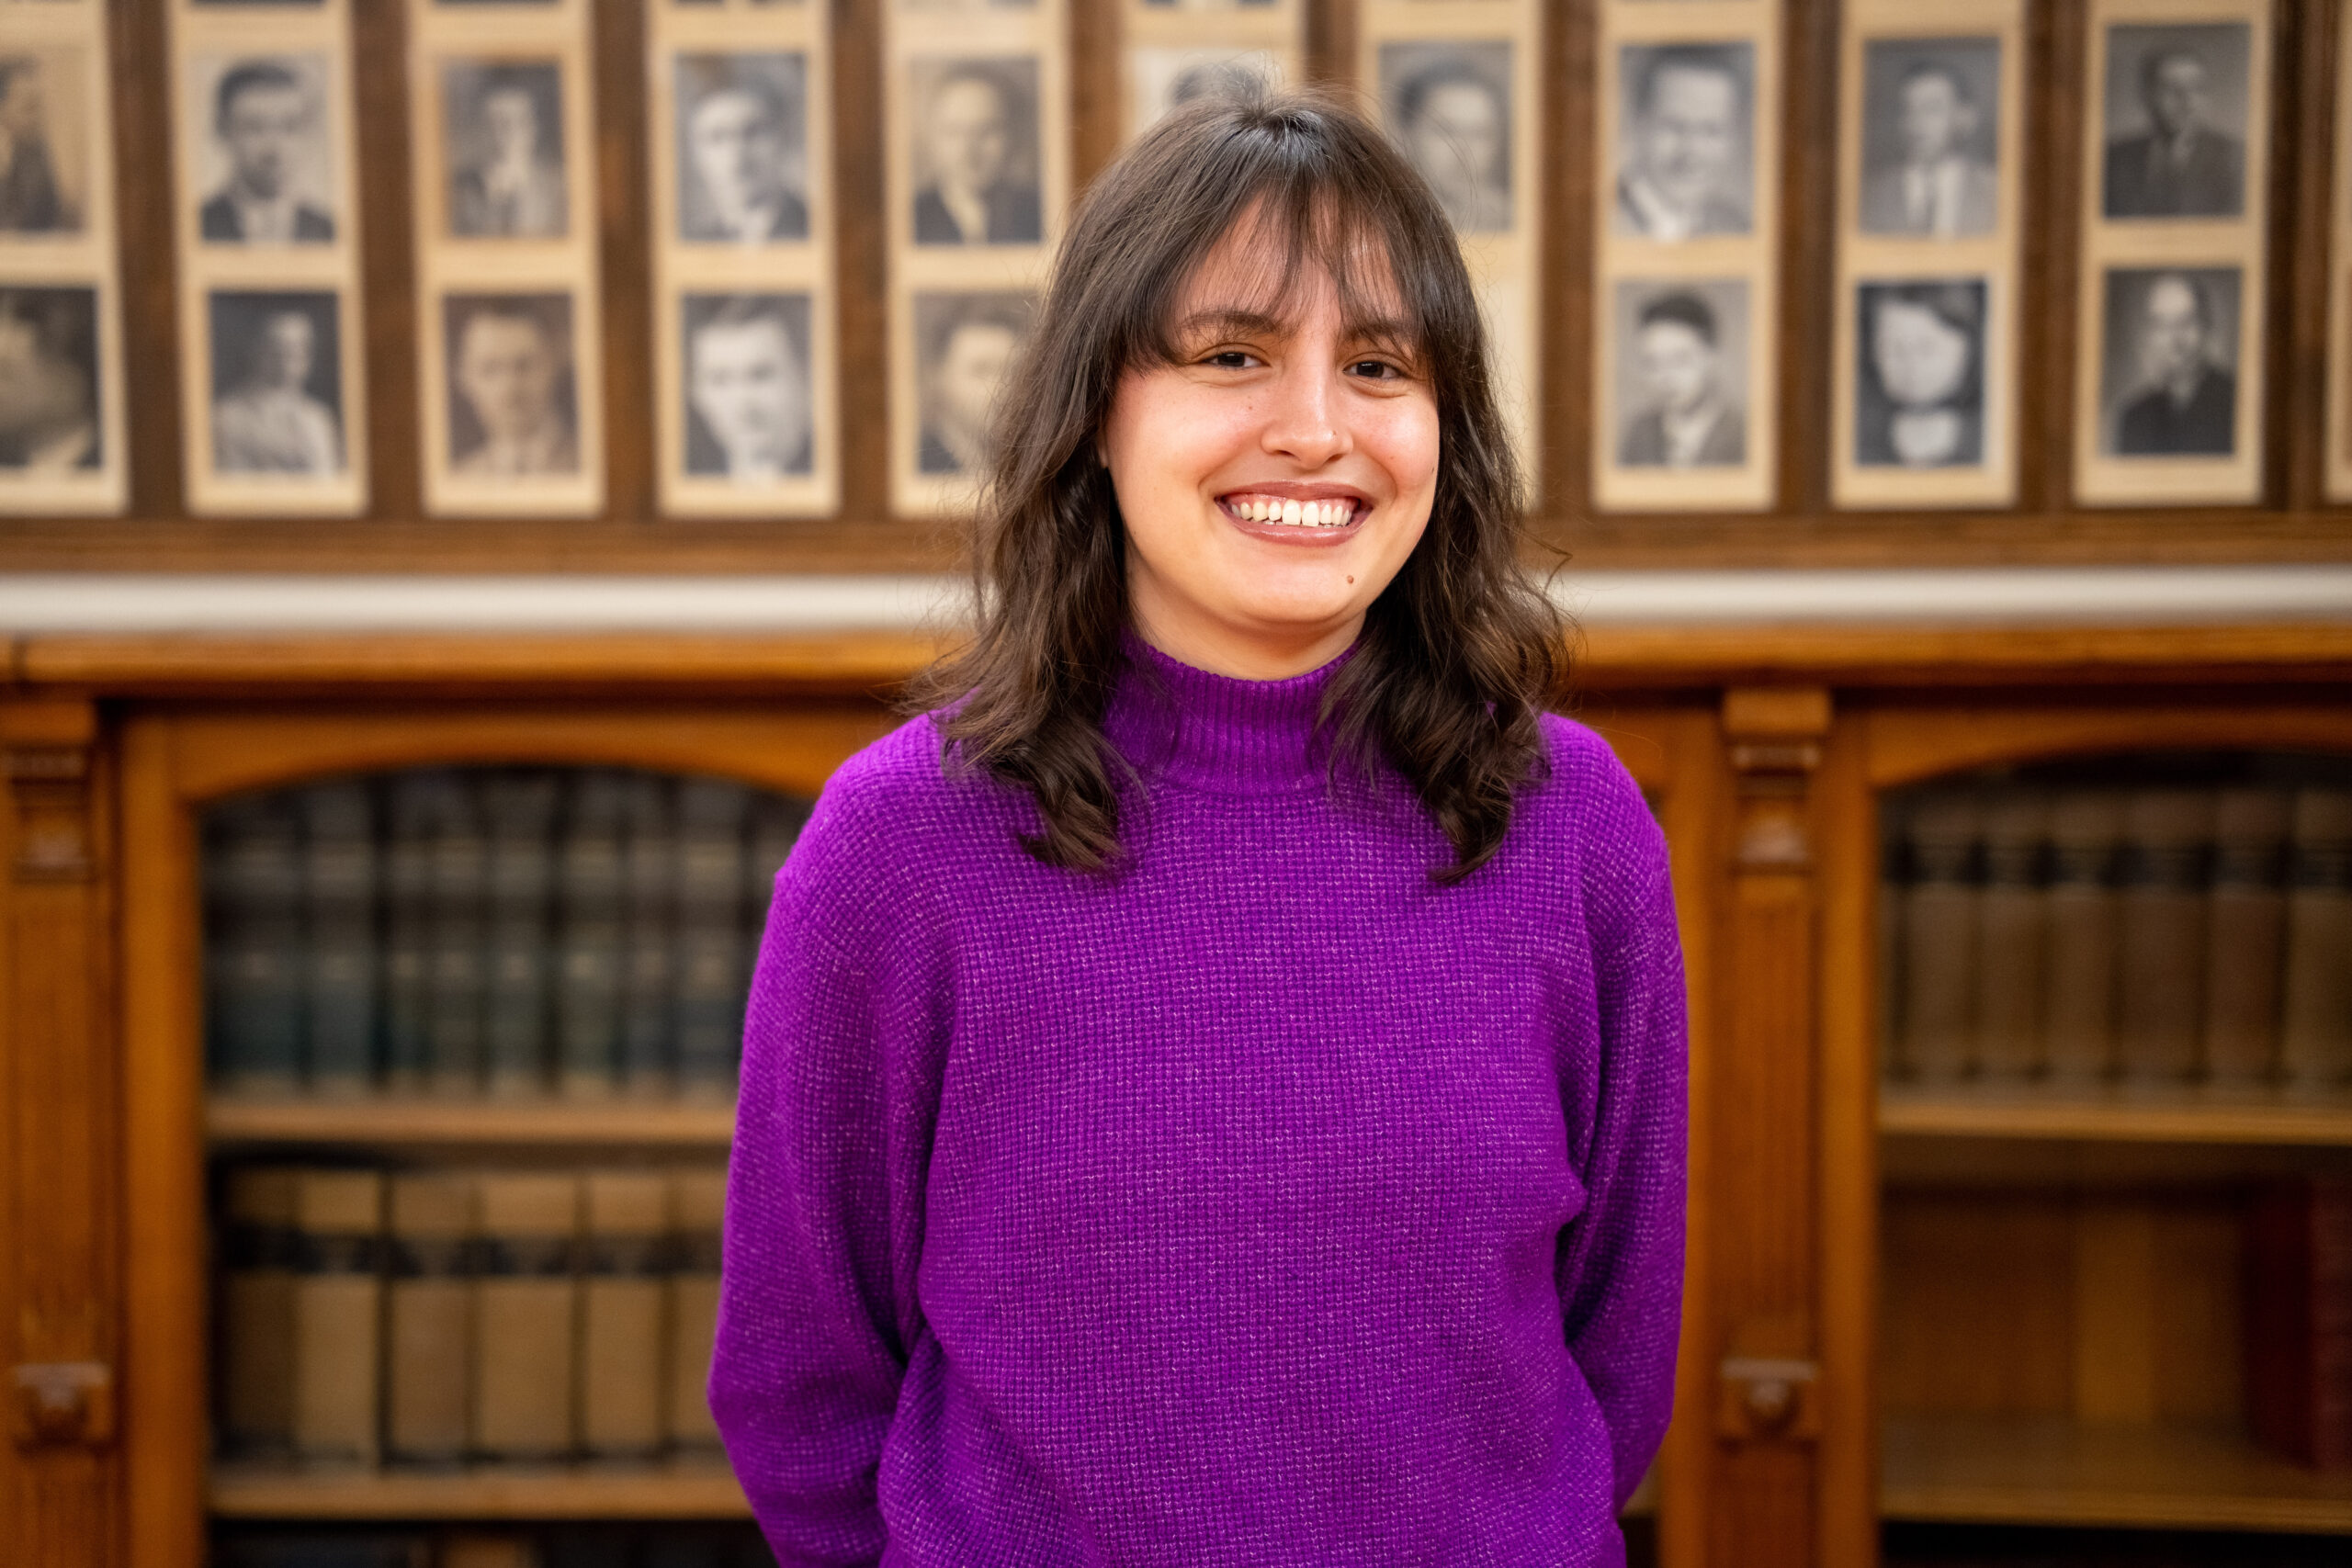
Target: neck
(1250,653)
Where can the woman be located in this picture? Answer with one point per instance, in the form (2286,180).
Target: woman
(1212,1090)
(1923,396)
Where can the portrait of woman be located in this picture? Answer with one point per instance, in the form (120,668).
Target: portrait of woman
(1213,1081)
(1922,378)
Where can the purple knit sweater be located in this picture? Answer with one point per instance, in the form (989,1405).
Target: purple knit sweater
(1266,1205)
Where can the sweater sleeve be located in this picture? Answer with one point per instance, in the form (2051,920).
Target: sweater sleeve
(1620,1271)
(817,1299)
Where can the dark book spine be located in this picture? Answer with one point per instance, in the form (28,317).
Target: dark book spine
(776,822)
(459,868)
(408,932)
(2299,1322)
(589,888)
(2160,957)
(519,809)
(650,874)
(2316,1026)
(339,867)
(708,996)
(1939,929)
(253,876)
(2246,945)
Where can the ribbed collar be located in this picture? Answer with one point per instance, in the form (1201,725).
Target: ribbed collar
(1217,732)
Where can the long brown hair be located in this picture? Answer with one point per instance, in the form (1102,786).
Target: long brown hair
(1458,654)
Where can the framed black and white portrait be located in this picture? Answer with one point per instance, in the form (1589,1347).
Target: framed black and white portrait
(53,425)
(973,150)
(1920,376)
(2175,109)
(45,140)
(750,397)
(1165,78)
(502,149)
(1930,137)
(2170,381)
(1448,103)
(512,392)
(265,164)
(1680,375)
(966,343)
(277,383)
(1685,156)
(743,139)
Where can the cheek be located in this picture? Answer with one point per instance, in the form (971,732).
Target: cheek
(1402,437)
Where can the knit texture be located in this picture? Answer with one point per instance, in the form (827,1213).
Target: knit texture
(1263,1204)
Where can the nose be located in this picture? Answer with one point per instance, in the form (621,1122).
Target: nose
(1304,421)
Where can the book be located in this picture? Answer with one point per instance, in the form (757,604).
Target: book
(776,822)
(429,1317)
(518,814)
(622,1294)
(698,1208)
(525,1319)
(2245,947)
(459,864)
(407,926)
(2316,1004)
(2299,1322)
(650,874)
(2160,948)
(1939,931)
(258,1249)
(2009,934)
(252,895)
(2079,930)
(338,1303)
(590,884)
(709,980)
(339,916)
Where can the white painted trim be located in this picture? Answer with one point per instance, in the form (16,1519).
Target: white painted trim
(230,605)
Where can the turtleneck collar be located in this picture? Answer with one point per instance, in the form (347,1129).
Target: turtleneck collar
(1217,732)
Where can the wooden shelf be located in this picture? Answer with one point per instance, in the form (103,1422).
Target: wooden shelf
(2148,1118)
(639,1123)
(2048,1470)
(700,1492)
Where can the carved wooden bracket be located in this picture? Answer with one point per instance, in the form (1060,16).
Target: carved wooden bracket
(47,761)
(63,1405)
(1774,734)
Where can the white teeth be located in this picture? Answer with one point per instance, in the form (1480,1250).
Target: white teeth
(1318,513)
(1333,514)
(1293,513)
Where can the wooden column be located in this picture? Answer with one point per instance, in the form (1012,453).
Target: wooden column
(59,1479)
(1761,1231)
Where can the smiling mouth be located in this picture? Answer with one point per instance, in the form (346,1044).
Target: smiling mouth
(1336,512)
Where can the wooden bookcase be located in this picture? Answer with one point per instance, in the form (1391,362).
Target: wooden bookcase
(1805,1413)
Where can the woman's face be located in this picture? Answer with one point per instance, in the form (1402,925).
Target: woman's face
(1922,358)
(1274,478)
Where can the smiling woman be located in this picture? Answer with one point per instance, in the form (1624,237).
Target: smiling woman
(1213,1088)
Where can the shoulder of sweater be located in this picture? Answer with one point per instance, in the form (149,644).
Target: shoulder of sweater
(1592,801)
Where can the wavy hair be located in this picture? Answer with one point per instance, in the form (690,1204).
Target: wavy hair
(1458,654)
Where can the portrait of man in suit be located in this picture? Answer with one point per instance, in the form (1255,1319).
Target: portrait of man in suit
(506,138)
(274,394)
(969,344)
(1449,103)
(2184,399)
(1684,170)
(1686,416)
(743,141)
(1930,172)
(30,199)
(976,148)
(48,381)
(511,411)
(266,117)
(2180,162)
(747,393)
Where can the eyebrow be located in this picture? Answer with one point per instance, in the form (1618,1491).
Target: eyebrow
(1389,332)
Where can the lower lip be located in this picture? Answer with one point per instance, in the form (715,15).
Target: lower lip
(1298,532)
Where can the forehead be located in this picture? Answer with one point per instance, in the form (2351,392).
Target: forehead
(730,102)
(1261,268)
(1692,86)
(508,333)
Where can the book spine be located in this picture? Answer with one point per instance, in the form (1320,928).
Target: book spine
(622,1303)
(2299,1321)
(252,877)
(709,997)
(2315,1007)
(698,1204)
(1939,930)
(338,1303)
(259,1250)
(429,1313)
(339,874)
(589,885)
(776,822)
(648,1043)
(2010,937)
(519,807)
(2246,919)
(2079,922)
(527,1322)
(2161,955)
(459,880)
(408,932)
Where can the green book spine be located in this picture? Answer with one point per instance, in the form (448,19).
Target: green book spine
(460,874)
(408,932)
(650,874)
(590,876)
(339,874)
(253,876)
(708,996)
(518,808)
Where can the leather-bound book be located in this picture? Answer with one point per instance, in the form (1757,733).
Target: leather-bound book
(2079,928)
(623,1278)
(518,808)
(527,1322)
(649,903)
(2010,937)
(1939,932)
(338,1310)
(460,873)
(2299,1322)
(2245,937)
(259,1247)
(339,916)
(589,887)
(2316,1013)
(407,971)
(2160,951)
(698,1205)
(253,945)
(707,1000)
(429,1317)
